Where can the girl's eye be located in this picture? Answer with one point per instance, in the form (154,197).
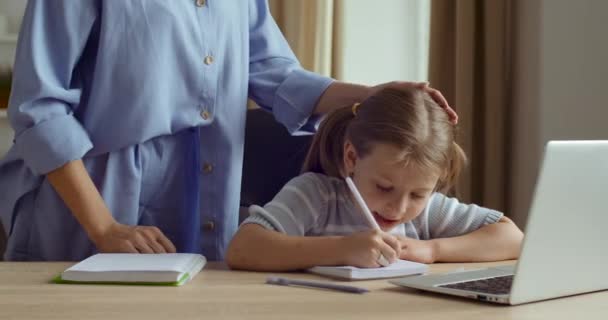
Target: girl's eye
(417,196)
(384,189)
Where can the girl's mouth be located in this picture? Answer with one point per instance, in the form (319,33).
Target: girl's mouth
(384,223)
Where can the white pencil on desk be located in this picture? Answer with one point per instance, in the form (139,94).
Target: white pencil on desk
(370,219)
(314,284)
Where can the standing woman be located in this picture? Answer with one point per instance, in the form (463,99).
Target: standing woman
(129,122)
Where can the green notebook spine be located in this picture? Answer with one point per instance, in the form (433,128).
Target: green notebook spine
(181,281)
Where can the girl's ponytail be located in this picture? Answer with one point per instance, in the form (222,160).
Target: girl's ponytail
(325,153)
(456,162)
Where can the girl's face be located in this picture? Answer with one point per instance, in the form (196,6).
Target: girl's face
(395,193)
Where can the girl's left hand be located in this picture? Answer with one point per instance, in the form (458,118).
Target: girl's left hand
(434,93)
(417,250)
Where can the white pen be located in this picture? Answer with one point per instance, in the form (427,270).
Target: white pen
(370,219)
(314,284)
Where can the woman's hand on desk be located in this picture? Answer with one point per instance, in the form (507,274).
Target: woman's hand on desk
(77,190)
(363,249)
(120,238)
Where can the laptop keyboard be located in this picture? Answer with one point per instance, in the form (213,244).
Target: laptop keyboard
(496,285)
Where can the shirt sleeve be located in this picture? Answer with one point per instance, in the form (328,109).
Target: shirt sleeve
(277,82)
(44,92)
(447,217)
(296,209)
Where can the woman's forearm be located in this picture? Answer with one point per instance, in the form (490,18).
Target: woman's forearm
(493,242)
(75,187)
(341,94)
(259,249)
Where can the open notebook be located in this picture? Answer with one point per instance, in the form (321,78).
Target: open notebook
(400,268)
(125,268)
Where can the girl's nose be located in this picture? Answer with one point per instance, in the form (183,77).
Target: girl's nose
(397,208)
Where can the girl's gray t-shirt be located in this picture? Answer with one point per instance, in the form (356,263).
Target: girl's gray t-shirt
(314,204)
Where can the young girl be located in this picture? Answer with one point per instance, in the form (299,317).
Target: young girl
(398,147)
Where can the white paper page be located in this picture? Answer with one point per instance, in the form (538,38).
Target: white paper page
(178,262)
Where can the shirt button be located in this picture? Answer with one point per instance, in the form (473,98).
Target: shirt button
(207,168)
(205,115)
(209,225)
(208,60)
(201,3)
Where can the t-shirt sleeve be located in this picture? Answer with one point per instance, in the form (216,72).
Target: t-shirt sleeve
(447,217)
(295,209)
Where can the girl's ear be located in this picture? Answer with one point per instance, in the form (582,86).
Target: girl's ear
(350,158)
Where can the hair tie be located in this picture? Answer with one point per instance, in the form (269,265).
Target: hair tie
(355,107)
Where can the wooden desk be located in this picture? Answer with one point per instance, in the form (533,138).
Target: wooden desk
(216,293)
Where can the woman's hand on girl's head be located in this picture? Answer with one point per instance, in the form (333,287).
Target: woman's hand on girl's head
(424,251)
(120,238)
(363,249)
(434,93)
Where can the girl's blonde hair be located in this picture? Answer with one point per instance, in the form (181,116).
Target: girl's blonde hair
(408,119)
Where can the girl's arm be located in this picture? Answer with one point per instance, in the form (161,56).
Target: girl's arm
(492,242)
(458,232)
(257,248)
(497,241)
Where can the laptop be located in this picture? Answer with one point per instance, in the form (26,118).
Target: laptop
(566,238)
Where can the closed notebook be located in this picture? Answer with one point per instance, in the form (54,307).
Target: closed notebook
(173,269)
(400,268)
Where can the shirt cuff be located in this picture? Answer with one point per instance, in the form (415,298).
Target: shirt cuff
(259,220)
(296,99)
(260,216)
(50,144)
(492,217)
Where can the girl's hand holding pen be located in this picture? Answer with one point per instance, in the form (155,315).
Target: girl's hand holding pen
(380,258)
(364,249)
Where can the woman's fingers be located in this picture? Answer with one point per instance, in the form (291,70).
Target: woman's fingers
(154,239)
(438,97)
(165,242)
(127,247)
(140,242)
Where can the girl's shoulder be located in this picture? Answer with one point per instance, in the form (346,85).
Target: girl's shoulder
(321,182)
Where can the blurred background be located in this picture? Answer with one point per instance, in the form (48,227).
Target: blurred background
(518,72)
(10,20)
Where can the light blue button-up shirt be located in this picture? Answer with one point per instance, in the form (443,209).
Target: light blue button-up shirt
(92,77)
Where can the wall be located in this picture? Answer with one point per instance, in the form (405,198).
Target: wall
(560,79)
(13,10)
(6,133)
(382,40)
